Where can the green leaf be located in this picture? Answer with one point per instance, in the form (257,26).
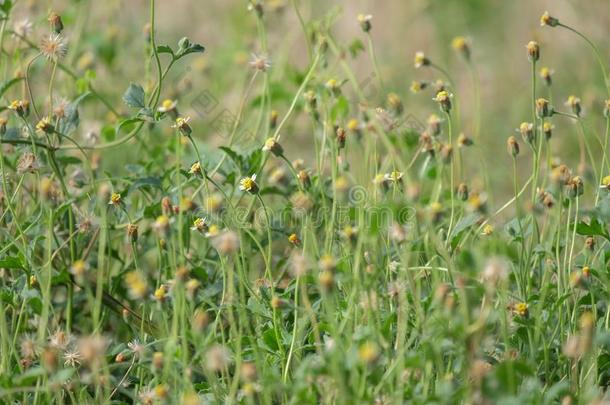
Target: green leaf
(11,263)
(356,47)
(185,47)
(595,228)
(134,96)
(165,49)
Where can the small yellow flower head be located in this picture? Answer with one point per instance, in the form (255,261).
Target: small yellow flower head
(168,106)
(547,21)
(326,279)
(200,225)
(33,281)
(273,146)
(195,169)
(161,224)
(420,60)
(543,108)
(213,230)
(418,86)
(333,86)
(574,103)
(214,203)
(304,178)
(395,103)
(460,44)
(546,75)
(160,293)
(464,140)
(327,263)
(115,199)
(547,129)
(79,268)
(21,107)
(273,116)
(182,124)
(350,233)
(606,183)
(488,229)
(365,22)
(526,129)
(368,352)
(45,126)
(311,99)
(443,98)
(249,184)
(354,125)
(137,286)
(294,239)
(521,309)
(436,211)
(161,391)
(533,51)
(394,177)
(192,286)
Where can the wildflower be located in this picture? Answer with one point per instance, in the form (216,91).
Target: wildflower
(365,22)
(195,169)
(200,225)
(394,177)
(546,75)
(28,347)
(521,309)
(260,62)
(527,131)
(132,232)
(54,47)
(214,203)
(56,23)
(147,397)
(436,211)
(434,125)
(368,352)
(462,192)
(201,319)
(226,242)
(443,98)
(161,224)
(542,108)
(488,229)
(561,175)
(327,263)
(249,184)
(168,106)
(218,358)
(27,163)
(92,349)
(115,199)
(575,187)
(137,286)
(161,392)
(341,136)
(607,109)
(460,44)
(294,239)
(417,86)
(464,140)
(547,130)
(326,279)
(79,268)
(273,146)
(446,153)
(21,107)
(420,60)
(191,287)
(395,103)
(182,124)
(574,103)
(350,233)
(533,51)
(45,126)
(333,86)
(547,20)
(160,293)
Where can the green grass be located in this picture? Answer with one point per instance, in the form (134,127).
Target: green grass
(315,240)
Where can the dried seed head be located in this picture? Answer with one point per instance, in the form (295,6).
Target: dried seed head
(27,163)
(464,140)
(533,51)
(226,243)
(434,125)
(260,62)
(590,243)
(54,47)
(575,187)
(395,104)
(132,232)
(526,129)
(462,192)
(182,125)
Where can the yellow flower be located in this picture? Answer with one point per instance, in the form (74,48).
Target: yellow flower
(115,199)
(44,125)
(182,124)
(521,309)
(368,352)
(294,239)
(195,168)
(200,225)
(420,60)
(249,184)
